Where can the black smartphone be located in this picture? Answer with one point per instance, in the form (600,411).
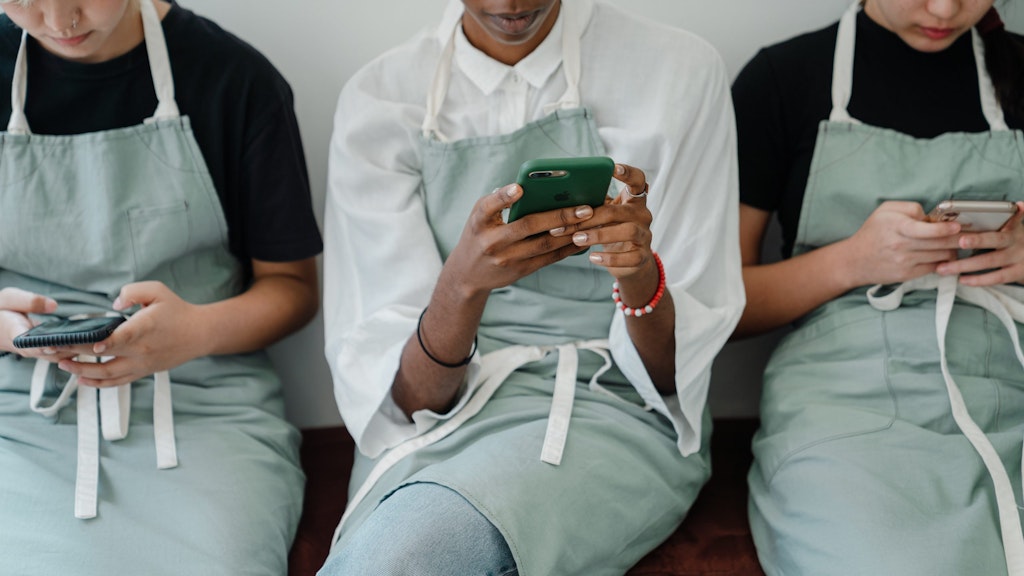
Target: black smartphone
(551,183)
(68,332)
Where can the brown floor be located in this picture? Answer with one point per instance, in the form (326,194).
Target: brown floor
(714,539)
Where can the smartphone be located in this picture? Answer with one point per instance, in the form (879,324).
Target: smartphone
(551,183)
(974,215)
(68,332)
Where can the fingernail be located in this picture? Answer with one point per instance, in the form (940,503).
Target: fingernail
(510,191)
(117,305)
(584,212)
(579,237)
(65,366)
(619,169)
(596,258)
(49,351)
(99,348)
(557,231)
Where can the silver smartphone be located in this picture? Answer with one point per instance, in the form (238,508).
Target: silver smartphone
(974,215)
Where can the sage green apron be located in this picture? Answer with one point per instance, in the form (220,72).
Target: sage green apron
(869,460)
(214,488)
(587,495)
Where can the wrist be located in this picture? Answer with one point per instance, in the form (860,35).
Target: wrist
(842,266)
(640,294)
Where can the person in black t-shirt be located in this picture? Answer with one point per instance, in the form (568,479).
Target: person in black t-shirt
(892,417)
(151,168)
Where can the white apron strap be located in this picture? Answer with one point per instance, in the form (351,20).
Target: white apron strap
(1003,305)
(571,66)
(989,101)
(565,392)
(18,123)
(111,414)
(159,64)
(842,65)
(494,370)
(115,407)
(87,477)
(163,422)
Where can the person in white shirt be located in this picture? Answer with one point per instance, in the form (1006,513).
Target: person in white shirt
(509,417)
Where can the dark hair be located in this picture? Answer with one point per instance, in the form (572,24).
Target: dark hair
(1004,58)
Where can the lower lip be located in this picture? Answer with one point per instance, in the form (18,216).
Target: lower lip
(937,33)
(513,26)
(71,42)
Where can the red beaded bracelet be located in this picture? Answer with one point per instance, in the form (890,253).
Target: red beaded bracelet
(650,306)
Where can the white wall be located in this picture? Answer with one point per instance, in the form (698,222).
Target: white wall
(318,44)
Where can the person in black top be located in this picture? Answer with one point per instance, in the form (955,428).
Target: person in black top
(891,427)
(151,168)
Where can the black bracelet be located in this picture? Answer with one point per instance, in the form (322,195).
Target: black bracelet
(464,361)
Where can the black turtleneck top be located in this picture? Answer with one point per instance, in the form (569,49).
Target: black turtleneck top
(785,91)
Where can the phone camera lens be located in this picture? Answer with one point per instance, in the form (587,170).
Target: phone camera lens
(541,174)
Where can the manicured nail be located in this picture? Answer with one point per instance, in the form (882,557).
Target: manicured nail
(579,237)
(619,169)
(596,258)
(99,348)
(557,231)
(510,191)
(49,351)
(584,212)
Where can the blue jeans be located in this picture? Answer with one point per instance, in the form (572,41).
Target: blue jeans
(423,529)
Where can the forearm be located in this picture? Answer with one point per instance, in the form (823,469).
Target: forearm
(653,335)
(280,301)
(447,328)
(780,292)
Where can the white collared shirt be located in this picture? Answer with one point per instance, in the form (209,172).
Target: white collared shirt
(660,98)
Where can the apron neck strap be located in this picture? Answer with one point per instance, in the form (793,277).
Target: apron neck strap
(842,74)
(159,64)
(571,56)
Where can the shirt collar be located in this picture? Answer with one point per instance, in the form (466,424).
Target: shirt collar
(488,74)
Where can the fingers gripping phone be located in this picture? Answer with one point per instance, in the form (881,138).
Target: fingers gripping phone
(974,215)
(68,332)
(552,183)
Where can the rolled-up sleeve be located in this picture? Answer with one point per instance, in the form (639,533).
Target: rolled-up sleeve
(695,232)
(380,259)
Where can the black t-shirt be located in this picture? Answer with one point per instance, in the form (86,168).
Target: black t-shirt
(785,91)
(239,106)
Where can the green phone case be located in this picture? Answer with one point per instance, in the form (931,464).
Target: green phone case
(551,183)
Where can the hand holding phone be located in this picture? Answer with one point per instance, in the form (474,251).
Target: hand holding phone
(553,183)
(68,332)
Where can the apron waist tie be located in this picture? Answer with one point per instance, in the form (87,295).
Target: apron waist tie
(1005,302)
(495,368)
(112,409)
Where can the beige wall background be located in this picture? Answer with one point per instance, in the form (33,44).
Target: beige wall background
(318,44)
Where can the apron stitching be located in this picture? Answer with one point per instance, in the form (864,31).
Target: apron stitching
(555,142)
(885,369)
(868,137)
(437,163)
(892,395)
(782,462)
(984,158)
